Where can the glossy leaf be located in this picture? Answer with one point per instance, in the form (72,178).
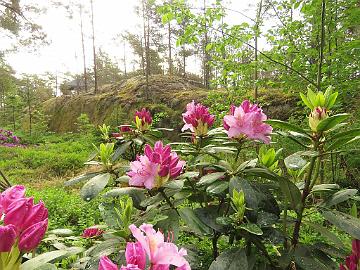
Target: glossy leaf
(331,121)
(193,222)
(94,186)
(233,259)
(344,222)
(286,126)
(210,178)
(340,196)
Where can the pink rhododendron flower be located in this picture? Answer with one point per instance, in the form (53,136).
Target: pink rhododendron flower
(9,196)
(32,236)
(352,261)
(156,167)
(247,120)
(197,118)
(143,119)
(7,237)
(106,264)
(92,232)
(161,254)
(135,255)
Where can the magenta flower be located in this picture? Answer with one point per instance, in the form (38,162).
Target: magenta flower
(161,254)
(135,255)
(8,237)
(130,267)
(106,264)
(156,167)
(17,213)
(92,233)
(352,261)
(197,118)
(247,121)
(143,119)
(9,196)
(32,236)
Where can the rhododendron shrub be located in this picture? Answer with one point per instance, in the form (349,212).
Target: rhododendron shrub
(8,138)
(230,182)
(24,226)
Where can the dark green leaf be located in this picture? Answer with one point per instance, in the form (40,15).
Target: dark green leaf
(332,121)
(251,228)
(121,150)
(344,222)
(340,196)
(210,178)
(292,192)
(233,259)
(323,231)
(217,187)
(286,126)
(193,222)
(94,186)
(80,178)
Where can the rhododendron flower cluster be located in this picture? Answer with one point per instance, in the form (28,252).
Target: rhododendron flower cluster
(8,139)
(197,118)
(25,224)
(150,244)
(156,167)
(352,262)
(247,121)
(143,119)
(92,233)
(316,116)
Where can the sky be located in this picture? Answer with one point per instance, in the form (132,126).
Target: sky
(111,17)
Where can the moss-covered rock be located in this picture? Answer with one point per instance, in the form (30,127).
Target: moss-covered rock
(116,104)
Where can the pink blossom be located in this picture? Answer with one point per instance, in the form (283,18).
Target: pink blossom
(10,195)
(247,120)
(135,255)
(106,264)
(92,232)
(131,267)
(8,237)
(352,261)
(161,254)
(32,236)
(156,167)
(197,118)
(143,119)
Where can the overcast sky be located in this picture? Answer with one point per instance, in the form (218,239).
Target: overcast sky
(112,17)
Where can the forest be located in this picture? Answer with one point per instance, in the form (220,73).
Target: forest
(179,135)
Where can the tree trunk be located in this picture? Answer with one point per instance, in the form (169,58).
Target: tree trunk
(169,48)
(206,67)
(94,49)
(29,108)
(257,26)
(322,43)
(124,59)
(83,50)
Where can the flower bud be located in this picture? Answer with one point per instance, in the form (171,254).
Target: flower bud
(7,237)
(317,115)
(135,254)
(143,119)
(238,200)
(106,264)
(92,233)
(32,236)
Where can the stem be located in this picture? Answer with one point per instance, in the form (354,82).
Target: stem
(306,192)
(168,201)
(214,245)
(285,223)
(5,179)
